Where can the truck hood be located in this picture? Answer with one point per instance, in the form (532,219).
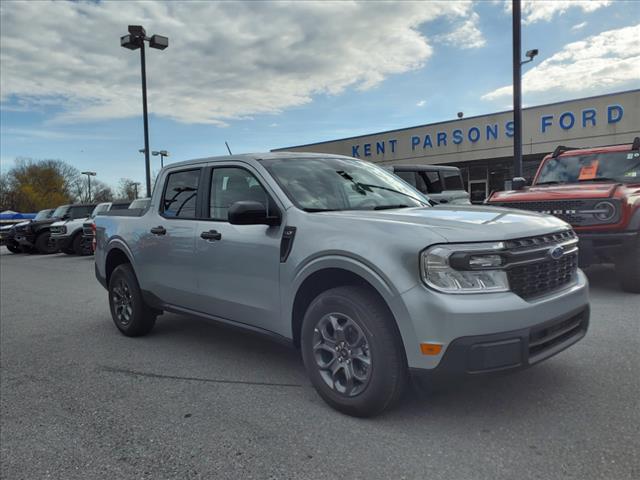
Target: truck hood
(460,223)
(571,191)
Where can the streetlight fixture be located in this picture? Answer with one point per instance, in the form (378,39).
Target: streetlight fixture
(89,175)
(134,41)
(517,93)
(162,153)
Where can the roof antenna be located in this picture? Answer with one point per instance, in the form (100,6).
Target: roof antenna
(225,142)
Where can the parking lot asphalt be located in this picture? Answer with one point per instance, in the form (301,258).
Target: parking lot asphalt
(198,400)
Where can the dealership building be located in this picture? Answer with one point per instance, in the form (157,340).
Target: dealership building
(482,146)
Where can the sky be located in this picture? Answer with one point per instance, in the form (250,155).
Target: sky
(264,75)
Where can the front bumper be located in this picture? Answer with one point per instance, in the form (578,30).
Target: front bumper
(460,322)
(61,242)
(25,240)
(510,351)
(604,246)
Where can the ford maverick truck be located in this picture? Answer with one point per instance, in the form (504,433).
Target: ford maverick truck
(350,264)
(597,191)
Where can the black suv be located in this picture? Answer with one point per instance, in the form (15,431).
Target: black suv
(35,236)
(8,234)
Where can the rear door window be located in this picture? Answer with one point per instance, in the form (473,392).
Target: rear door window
(453,180)
(180,194)
(80,211)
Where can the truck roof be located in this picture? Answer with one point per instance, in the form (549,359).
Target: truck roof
(257,156)
(423,168)
(587,151)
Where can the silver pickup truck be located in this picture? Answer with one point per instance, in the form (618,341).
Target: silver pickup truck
(351,265)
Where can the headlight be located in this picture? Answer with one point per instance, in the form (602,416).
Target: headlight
(604,211)
(464,268)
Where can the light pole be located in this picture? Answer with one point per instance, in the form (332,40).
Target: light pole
(89,175)
(162,153)
(517,90)
(135,188)
(135,40)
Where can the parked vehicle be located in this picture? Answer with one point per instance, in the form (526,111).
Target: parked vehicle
(36,236)
(88,227)
(66,234)
(8,233)
(342,259)
(441,183)
(597,191)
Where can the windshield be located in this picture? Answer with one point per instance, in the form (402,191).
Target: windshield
(322,184)
(42,214)
(611,166)
(103,207)
(60,211)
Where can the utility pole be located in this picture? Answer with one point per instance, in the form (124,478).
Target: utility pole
(517,92)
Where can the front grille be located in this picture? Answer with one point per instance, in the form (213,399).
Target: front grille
(57,230)
(21,230)
(563,209)
(544,338)
(536,279)
(531,269)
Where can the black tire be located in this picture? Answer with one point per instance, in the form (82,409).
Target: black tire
(43,244)
(13,248)
(76,244)
(628,269)
(387,372)
(129,312)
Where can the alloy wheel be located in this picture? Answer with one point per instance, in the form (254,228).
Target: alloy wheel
(342,354)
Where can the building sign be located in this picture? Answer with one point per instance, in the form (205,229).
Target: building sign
(594,121)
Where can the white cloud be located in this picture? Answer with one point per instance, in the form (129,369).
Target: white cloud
(466,35)
(601,62)
(421,103)
(225,60)
(544,10)
(579,26)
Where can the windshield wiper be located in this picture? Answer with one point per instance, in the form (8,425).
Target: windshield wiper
(388,207)
(314,210)
(362,187)
(550,182)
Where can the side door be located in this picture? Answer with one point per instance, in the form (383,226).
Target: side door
(430,182)
(165,248)
(453,187)
(238,265)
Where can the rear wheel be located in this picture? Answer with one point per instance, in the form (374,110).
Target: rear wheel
(130,313)
(44,245)
(628,269)
(352,351)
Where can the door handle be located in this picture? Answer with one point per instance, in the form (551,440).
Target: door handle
(159,230)
(211,235)
(444,200)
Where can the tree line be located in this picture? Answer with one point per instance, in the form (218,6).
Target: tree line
(32,185)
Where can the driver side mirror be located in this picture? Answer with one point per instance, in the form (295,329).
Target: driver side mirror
(66,216)
(518,183)
(251,213)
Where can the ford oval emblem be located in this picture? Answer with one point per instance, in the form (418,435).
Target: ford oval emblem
(556,252)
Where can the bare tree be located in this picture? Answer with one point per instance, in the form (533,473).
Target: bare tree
(127,189)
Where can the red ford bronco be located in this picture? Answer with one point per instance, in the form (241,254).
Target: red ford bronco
(597,191)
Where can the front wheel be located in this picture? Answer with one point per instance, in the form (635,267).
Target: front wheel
(44,245)
(352,351)
(129,312)
(13,248)
(628,269)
